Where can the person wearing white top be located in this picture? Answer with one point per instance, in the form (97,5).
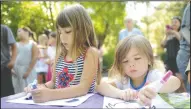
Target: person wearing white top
(132,70)
(51,52)
(41,65)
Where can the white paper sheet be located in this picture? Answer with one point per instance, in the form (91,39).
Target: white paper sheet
(157,102)
(64,102)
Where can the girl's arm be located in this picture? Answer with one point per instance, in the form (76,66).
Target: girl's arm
(109,89)
(49,84)
(88,74)
(177,34)
(171,85)
(163,44)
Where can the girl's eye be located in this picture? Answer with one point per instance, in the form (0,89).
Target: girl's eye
(137,58)
(125,61)
(67,31)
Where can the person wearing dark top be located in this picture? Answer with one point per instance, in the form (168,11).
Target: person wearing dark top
(171,43)
(8,44)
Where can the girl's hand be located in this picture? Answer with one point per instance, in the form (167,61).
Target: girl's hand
(10,64)
(13,72)
(25,75)
(146,94)
(128,94)
(28,88)
(41,95)
(48,61)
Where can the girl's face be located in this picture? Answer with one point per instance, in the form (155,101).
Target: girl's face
(43,40)
(175,24)
(135,64)
(51,41)
(22,34)
(66,37)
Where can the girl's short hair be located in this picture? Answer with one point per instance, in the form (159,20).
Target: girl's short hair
(142,45)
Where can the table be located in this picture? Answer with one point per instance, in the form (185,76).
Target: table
(95,101)
(178,101)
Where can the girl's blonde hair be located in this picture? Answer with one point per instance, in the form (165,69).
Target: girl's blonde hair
(140,43)
(76,17)
(43,39)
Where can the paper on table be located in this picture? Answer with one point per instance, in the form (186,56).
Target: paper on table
(64,102)
(15,96)
(110,103)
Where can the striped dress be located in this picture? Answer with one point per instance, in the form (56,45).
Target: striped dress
(66,75)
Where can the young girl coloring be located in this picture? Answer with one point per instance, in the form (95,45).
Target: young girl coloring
(132,70)
(76,64)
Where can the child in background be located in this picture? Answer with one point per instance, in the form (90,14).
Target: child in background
(76,63)
(51,51)
(27,55)
(132,70)
(41,66)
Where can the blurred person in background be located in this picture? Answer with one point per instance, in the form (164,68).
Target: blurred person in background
(27,55)
(183,55)
(171,43)
(51,52)
(41,66)
(7,60)
(129,30)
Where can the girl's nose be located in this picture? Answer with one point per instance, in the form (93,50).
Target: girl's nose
(132,64)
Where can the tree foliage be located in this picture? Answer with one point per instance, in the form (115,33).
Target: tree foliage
(107,18)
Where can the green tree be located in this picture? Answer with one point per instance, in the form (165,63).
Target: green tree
(17,14)
(108,21)
(107,18)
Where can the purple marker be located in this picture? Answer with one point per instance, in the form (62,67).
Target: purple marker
(33,86)
(157,85)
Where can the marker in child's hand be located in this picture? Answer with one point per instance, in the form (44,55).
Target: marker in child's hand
(157,85)
(33,86)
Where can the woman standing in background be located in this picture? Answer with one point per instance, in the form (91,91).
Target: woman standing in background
(171,43)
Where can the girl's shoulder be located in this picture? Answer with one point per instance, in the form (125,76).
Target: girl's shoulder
(122,83)
(92,50)
(90,54)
